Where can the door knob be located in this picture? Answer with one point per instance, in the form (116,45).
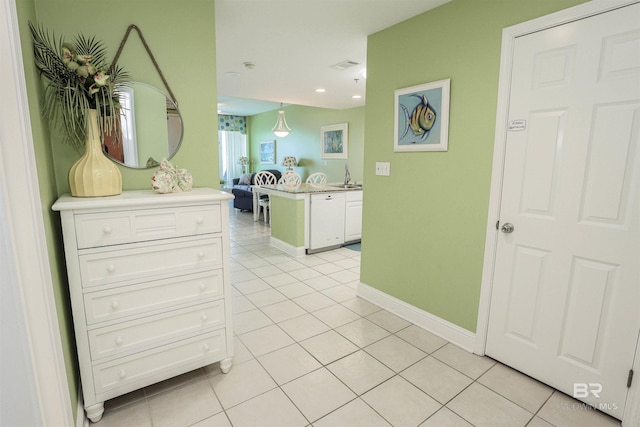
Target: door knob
(507,228)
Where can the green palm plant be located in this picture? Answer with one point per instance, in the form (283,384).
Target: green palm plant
(76,80)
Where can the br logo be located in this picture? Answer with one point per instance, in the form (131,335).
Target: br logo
(582,390)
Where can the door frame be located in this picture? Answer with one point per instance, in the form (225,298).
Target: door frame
(23,217)
(632,408)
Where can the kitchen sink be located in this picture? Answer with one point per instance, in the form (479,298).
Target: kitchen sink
(347,185)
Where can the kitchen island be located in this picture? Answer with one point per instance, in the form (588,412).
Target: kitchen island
(314,218)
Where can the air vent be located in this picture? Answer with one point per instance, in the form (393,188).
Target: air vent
(344,65)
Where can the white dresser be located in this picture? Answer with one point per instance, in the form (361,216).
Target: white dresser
(150,287)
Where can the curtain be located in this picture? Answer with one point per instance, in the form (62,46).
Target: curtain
(232,123)
(233,145)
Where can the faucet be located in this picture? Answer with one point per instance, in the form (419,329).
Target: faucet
(347,175)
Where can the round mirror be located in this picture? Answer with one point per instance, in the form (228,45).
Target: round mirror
(151,128)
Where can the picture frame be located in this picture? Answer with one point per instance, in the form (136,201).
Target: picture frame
(334,140)
(268,152)
(421,117)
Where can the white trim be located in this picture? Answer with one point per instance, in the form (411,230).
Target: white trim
(287,247)
(27,234)
(434,324)
(631,416)
(81,416)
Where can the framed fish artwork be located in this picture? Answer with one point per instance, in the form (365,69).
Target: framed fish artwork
(421,121)
(335,141)
(268,152)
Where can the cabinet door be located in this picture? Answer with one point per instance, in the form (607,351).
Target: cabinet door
(353,221)
(327,220)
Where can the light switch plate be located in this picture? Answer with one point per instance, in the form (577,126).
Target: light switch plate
(383,168)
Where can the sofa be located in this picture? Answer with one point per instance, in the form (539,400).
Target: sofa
(242,192)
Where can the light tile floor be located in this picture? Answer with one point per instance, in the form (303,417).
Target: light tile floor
(308,351)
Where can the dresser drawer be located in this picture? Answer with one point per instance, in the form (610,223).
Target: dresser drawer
(145,368)
(111,228)
(130,262)
(128,337)
(147,297)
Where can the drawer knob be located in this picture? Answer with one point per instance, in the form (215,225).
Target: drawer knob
(107,230)
(115,305)
(199,220)
(201,254)
(118,340)
(203,286)
(205,348)
(204,317)
(111,268)
(123,374)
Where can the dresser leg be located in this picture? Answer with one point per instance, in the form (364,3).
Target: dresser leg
(225,365)
(94,412)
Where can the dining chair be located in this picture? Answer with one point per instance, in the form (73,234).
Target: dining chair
(290,179)
(263,178)
(318,179)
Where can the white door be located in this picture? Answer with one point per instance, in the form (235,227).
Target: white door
(565,303)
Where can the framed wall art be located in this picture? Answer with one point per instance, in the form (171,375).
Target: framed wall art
(421,117)
(335,141)
(268,152)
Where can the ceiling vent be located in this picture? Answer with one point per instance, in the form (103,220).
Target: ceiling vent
(344,65)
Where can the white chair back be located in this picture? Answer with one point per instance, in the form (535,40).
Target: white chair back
(290,179)
(265,178)
(318,179)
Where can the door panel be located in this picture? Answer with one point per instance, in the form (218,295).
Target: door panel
(541,162)
(608,176)
(566,289)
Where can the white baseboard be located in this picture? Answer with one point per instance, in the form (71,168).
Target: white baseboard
(287,248)
(81,416)
(434,324)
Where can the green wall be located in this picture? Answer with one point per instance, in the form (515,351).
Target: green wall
(304,140)
(184,57)
(424,226)
(288,223)
(179,53)
(27,11)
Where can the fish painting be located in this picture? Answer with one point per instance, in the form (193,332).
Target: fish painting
(421,119)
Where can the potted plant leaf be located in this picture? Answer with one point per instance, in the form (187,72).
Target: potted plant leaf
(81,101)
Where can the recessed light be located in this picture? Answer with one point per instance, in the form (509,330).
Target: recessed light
(356,96)
(320,90)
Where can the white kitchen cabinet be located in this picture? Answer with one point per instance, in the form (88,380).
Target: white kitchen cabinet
(326,221)
(149,285)
(353,216)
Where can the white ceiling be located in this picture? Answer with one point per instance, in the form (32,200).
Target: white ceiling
(293,45)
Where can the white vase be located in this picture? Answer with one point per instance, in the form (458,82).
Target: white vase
(94,174)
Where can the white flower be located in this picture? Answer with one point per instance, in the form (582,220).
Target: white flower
(100,78)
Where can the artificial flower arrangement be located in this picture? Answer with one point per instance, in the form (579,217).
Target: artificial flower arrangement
(243,161)
(78,78)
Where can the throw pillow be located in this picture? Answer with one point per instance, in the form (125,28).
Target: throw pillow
(245,179)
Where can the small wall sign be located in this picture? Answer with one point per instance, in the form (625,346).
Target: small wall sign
(517,125)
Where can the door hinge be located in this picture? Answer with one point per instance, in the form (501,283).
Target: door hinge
(497,224)
(630,378)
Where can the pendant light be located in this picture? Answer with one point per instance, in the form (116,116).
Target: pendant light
(281,129)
